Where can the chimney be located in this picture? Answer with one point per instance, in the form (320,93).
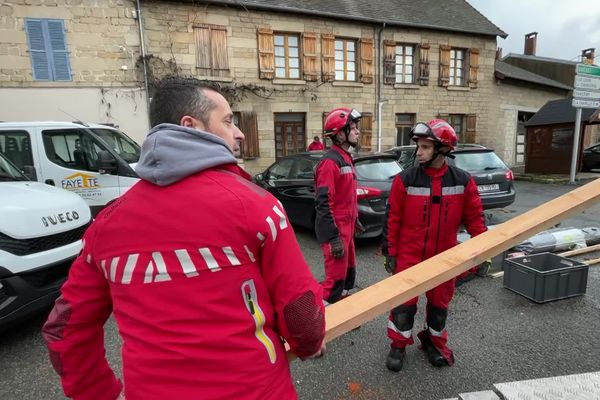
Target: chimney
(587,56)
(498,53)
(530,42)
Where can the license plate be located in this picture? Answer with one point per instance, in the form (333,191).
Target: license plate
(488,188)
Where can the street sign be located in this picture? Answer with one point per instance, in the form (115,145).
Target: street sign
(579,103)
(587,70)
(587,82)
(586,94)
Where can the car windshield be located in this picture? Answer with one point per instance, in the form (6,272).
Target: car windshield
(478,161)
(119,142)
(377,169)
(8,172)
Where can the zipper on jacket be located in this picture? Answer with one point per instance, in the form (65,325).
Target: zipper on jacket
(437,240)
(251,300)
(428,222)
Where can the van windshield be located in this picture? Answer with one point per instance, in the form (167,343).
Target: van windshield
(8,172)
(121,143)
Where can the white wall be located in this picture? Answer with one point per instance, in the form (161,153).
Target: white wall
(124,107)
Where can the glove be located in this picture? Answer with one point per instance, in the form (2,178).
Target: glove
(390,264)
(359,228)
(337,247)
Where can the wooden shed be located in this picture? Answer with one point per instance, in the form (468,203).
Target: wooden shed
(550,132)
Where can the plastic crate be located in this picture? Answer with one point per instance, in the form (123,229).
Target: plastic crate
(545,277)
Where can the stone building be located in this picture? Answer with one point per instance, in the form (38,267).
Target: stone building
(283,64)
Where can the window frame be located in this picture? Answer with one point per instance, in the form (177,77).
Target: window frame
(404,46)
(286,36)
(51,54)
(345,60)
(453,68)
(409,125)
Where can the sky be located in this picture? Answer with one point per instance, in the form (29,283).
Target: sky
(564,27)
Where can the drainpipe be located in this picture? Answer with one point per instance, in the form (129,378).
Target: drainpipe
(143,53)
(379,85)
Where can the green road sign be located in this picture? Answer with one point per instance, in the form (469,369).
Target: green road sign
(588,69)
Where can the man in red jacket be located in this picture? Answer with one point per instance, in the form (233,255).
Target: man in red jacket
(427,205)
(316,144)
(199,266)
(336,205)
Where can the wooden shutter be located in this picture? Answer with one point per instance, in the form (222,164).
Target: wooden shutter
(424,64)
(266,54)
(203,53)
(444,65)
(249,126)
(473,67)
(218,39)
(366,131)
(366,60)
(471,131)
(328,57)
(60,55)
(389,62)
(309,60)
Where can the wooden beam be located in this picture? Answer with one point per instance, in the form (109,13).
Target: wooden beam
(582,250)
(384,295)
(592,262)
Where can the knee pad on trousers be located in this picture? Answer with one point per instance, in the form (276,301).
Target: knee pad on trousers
(436,317)
(404,317)
(350,278)
(336,292)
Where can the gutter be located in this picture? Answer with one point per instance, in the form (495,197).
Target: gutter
(143,54)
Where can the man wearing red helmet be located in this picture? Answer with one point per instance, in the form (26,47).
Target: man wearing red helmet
(427,205)
(336,205)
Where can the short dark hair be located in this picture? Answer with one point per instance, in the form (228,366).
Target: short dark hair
(316,137)
(175,97)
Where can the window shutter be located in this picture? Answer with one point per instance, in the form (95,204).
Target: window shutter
(366,60)
(471,133)
(249,126)
(328,57)
(309,49)
(203,53)
(444,65)
(389,62)
(366,131)
(473,67)
(60,55)
(266,53)
(37,49)
(218,39)
(424,64)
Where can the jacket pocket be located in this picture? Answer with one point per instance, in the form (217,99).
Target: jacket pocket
(251,300)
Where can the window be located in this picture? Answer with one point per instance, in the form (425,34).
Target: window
(457,67)
(16,146)
(287,56)
(71,148)
(211,50)
(456,120)
(303,169)
(404,124)
(405,55)
(290,135)
(48,49)
(465,126)
(121,144)
(281,169)
(345,60)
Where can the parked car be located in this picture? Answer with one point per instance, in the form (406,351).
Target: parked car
(591,158)
(493,178)
(291,179)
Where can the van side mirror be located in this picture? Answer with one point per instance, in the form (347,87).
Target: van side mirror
(106,163)
(29,172)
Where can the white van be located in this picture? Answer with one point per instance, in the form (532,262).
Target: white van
(40,234)
(95,161)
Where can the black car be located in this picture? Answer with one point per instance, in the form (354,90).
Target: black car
(493,178)
(291,180)
(591,158)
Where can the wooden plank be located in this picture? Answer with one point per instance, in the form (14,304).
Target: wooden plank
(592,262)
(384,295)
(583,250)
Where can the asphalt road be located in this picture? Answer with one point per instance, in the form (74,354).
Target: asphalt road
(497,336)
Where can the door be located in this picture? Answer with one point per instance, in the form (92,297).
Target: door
(290,137)
(68,159)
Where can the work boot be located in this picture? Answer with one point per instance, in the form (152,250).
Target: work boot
(395,359)
(433,355)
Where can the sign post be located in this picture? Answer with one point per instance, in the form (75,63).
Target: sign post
(585,95)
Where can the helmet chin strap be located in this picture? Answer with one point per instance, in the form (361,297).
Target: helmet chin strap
(436,153)
(346,132)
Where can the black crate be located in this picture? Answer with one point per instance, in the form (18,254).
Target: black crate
(545,277)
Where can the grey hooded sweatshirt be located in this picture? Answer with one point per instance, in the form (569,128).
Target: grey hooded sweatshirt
(173,152)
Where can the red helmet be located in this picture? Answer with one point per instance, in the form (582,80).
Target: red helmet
(338,119)
(436,130)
